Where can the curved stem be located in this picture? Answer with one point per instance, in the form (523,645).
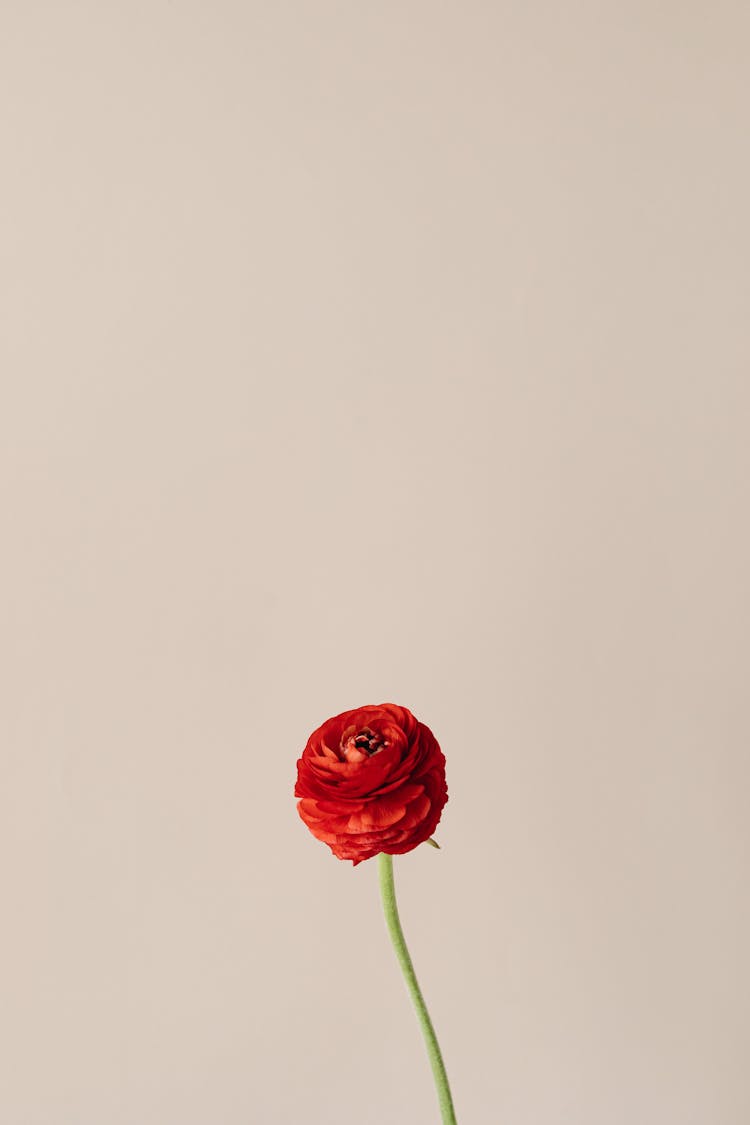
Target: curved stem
(388,894)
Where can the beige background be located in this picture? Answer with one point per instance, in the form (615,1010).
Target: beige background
(355,352)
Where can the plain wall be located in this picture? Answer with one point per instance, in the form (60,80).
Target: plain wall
(355,352)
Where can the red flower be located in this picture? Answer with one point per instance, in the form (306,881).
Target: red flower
(371,780)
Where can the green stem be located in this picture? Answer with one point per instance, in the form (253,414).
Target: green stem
(388,894)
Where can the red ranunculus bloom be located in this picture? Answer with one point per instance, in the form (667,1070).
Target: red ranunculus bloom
(371,780)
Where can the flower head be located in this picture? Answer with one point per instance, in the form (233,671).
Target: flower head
(371,780)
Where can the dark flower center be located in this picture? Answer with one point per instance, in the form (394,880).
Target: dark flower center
(363,744)
(369,742)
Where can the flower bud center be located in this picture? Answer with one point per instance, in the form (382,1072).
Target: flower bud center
(362,745)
